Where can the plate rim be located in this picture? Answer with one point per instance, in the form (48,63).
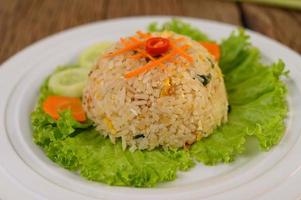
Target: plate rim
(153,18)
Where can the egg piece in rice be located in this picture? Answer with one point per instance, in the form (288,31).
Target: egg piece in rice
(173,103)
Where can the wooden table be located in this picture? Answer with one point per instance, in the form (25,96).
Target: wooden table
(23,22)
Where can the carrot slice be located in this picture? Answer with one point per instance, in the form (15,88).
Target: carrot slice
(55,104)
(212,48)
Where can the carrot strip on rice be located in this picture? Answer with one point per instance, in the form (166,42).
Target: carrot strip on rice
(154,63)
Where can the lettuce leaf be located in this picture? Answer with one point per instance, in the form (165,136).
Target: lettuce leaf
(46,129)
(96,158)
(258,108)
(79,147)
(179,27)
(258,103)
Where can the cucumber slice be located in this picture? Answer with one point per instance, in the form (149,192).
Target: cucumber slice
(89,56)
(69,82)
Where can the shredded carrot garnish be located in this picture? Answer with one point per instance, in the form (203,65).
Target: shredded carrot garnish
(182,53)
(176,62)
(142,53)
(143,35)
(137,56)
(127,47)
(148,66)
(134,39)
(145,54)
(186,56)
(152,58)
(122,40)
(179,39)
(155,63)
(138,43)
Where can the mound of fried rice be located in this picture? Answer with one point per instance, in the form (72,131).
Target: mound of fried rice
(171,106)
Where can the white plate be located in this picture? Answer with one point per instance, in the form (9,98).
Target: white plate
(26,173)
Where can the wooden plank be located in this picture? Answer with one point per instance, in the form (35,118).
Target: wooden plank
(213,9)
(224,11)
(297,16)
(122,8)
(280,24)
(23,22)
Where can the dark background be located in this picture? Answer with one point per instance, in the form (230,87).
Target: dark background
(23,22)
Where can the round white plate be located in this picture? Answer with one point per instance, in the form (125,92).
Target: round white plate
(26,173)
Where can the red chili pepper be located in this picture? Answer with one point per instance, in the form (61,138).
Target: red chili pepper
(157,46)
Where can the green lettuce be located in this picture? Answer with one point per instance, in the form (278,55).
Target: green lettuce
(257,98)
(79,147)
(96,158)
(179,27)
(258,108)
(46,129)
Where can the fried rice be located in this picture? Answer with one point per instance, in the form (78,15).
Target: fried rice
(173,105)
